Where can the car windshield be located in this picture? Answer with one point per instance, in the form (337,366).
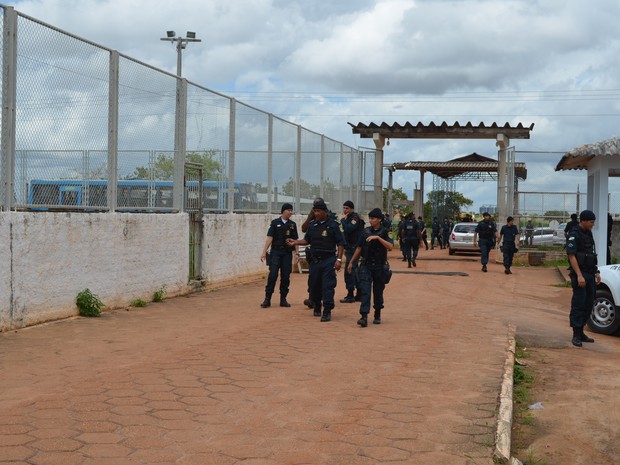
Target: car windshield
(465,228)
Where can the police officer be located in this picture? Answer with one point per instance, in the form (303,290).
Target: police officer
(486,231)
(280,230)
(387,222)
(446,229)
(410,233)
(572,224)
(529,233)
(399,236)
(352,226)
(435,233)
(373,245)
(507,237)
(327,246)
(422,228)
(584,275)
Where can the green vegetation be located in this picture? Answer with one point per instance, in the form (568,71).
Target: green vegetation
(138,303)
(88,303)
(448,203)
(159,294)
(163,167)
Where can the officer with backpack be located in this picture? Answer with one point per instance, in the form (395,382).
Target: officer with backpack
(410,233)
(485,236)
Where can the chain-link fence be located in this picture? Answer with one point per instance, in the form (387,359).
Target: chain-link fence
(86,128)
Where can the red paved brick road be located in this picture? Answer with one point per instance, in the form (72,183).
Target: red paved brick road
(214,379)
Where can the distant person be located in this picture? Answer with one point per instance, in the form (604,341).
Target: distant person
(411,239)
(435,232)
(373,246)
(279,231)
(387,222)
(508,235)
(572,224)
(446,230)
(422,228)
(584,275)
(325,258)
(352,226)
(610,227)
(529,233)
(400,237)
(485,235)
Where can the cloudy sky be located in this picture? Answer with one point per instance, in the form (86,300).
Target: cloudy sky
(322,64)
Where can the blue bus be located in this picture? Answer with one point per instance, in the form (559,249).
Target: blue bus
(135,195)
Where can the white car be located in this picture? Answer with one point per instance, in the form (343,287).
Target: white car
(604,318)
(558,235)
(540,236)
(462,238)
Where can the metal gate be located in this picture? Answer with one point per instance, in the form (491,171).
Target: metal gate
(194,199)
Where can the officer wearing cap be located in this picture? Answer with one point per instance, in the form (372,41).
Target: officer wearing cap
(327,245)
(279,231)
(352,226)
(372,246)
(486,232)
(584,275)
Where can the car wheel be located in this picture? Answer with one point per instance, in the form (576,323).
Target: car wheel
(450,251)
(604,318)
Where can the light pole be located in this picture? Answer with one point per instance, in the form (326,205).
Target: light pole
(181,44)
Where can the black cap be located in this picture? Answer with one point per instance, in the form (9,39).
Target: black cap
(375,213)
(587,215)
(486,214)
(349,204)
(286,206)
(319,205)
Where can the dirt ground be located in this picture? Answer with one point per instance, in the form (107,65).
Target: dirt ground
(214,378)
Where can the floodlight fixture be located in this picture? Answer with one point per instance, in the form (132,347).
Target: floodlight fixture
(181,43)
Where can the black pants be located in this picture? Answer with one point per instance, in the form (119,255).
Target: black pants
(582,300)
(281,261)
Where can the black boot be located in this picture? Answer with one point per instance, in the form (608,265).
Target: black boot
(583,336)
(408,263)
(413,262)
(576,339)
(327,315)
(363,321)
(283,301)
(349,299)
(267,302)
(317,310)
(377,320)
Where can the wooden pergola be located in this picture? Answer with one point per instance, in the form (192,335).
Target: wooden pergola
(380,133)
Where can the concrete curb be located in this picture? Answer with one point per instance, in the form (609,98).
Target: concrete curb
(504,418)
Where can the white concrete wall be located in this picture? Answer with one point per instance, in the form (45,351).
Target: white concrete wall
(47,258)
(118,256)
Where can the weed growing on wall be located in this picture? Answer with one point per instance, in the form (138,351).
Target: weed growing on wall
(138,303)
(88,303)
(159,294)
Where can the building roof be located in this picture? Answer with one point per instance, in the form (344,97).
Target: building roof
(472,163)
(578,158)
(441,131)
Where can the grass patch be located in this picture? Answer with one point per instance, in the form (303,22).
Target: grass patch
(159,294)
(138,303)
(88,303)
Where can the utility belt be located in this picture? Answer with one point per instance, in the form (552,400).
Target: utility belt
(285,248)
(587,261)
(315,257)
(370,261)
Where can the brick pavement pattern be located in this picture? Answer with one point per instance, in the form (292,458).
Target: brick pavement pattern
(213,379)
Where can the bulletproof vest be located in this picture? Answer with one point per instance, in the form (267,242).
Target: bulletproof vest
(586,252)
(323,237)
(487,230)
(282,232)
(374,252)
(410,229)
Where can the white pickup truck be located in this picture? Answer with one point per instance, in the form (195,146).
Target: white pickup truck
(604,318)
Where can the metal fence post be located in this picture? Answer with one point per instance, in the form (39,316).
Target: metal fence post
(270,163)
(231,156)
(298,172)
(179,144)
(9,87)
(113,131)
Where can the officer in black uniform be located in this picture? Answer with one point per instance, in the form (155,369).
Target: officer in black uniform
(352,226)
(446,229)
(584,275)
(507,238)
(373,246)
(327,246)
(422,228)
(280,230)
(410,233)
(572,224)
(486,231)
(435,233)
(399,236)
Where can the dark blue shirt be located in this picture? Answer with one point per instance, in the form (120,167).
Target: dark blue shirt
(510,233)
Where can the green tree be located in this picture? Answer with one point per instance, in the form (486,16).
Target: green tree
(443,203)
(163,168)
(399,200)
